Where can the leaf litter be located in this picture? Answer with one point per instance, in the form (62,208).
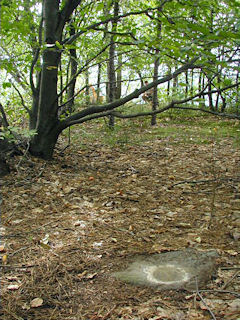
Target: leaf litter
(67,225)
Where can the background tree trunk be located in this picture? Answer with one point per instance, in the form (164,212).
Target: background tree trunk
(155,91)
(119,77)
(99,81)
(73,68)
(111,69)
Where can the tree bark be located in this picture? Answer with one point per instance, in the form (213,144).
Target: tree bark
(155,91)
(73,68)
(155,102)
(99,81)
(119,77)
(46,105)
(42,145)
(111,69)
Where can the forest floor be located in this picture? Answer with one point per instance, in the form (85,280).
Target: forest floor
(69,223)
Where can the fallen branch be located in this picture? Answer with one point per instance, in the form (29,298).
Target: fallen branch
(222,291)
(230,280)
(203,301)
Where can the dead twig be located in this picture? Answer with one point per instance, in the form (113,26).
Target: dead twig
(23,156)
(203,301)
(21,249)
(230,268)
(230,280)
(222,291)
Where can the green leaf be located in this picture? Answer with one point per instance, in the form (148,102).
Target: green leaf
(58,45)
(100,6)
(6,85)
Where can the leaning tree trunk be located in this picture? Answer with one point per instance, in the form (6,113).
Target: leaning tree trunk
(45,107)
(43,142)
(48,125)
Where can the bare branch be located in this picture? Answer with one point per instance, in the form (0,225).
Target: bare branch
(16,74)
(81,70)
(220,114)
(66,13)
(171,105)
(21,97)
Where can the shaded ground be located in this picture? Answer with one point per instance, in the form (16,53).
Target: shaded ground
(68,224)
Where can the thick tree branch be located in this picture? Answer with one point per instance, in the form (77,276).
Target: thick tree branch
(172,105)
(135,94)
(66,13)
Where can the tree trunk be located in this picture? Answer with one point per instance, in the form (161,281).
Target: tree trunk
(210,98)
(111,74)
(99,81)
(155,102)
(237,91)
(155,91)
(43,144)
(44,113)
(192,83)
(175,84)
(46,108)
(73,67)
(119,77)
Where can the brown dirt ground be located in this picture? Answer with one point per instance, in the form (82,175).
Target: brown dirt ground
(69,223)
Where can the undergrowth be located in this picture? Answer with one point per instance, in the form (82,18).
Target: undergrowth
(180,126)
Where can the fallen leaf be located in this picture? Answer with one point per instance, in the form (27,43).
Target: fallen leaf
(171,214)
(198,240)
(13,287)
(37,210)
(232,252)
(37,302)
(91,275)
(12,278)
(45,240)
(25,306)
(4,259)
(45,246)
(3,248)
